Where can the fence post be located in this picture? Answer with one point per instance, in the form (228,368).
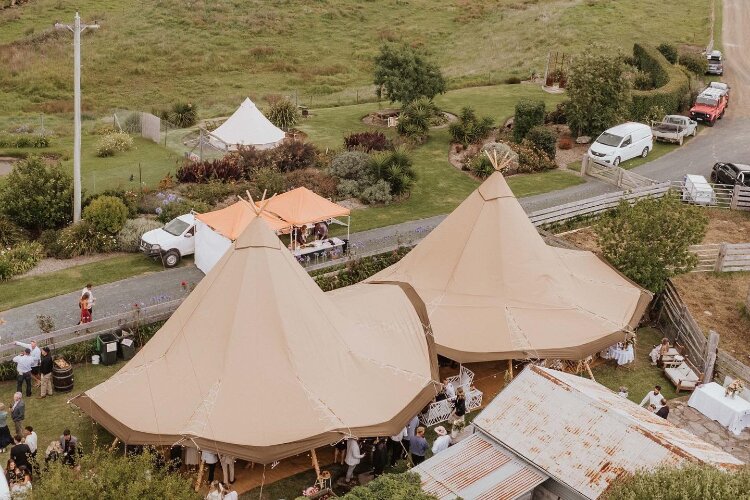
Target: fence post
(711,347)
(619,176)
(735,197)
(719,266)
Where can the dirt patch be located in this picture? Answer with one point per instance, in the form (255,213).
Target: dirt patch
(6,165)
(716,301)
(52,265)
(352,204)
(565,157)
(584,238)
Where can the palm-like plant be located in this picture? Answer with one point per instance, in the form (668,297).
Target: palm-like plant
(395,167)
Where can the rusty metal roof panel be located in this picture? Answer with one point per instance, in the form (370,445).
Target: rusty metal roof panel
(585,435)
(477,468)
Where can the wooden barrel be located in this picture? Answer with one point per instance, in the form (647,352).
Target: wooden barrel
(62,376)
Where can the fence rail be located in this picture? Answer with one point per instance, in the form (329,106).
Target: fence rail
(679,325)
(722,257)
(89,331)
(614,175)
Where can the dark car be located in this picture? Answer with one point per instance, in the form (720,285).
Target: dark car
(731,173)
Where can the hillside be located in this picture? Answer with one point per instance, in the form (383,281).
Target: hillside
(148,54)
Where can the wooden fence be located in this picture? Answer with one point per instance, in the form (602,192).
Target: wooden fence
(679,325)
(722,257)
(614,175)
(89,331)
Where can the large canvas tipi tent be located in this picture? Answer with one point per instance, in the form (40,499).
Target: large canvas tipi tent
(258,363)
(247,127)
(495,290)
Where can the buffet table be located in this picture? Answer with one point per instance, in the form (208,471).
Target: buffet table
(732,413)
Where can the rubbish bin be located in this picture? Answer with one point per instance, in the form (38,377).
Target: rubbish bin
(107,346)
(126,345)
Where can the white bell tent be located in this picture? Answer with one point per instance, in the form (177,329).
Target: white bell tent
(246,127)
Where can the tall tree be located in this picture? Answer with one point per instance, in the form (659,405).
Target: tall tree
(648,241)
(598,90)
(403,74)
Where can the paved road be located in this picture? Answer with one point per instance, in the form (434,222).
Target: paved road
(726,141)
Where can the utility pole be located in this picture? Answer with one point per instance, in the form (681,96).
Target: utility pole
(77,29)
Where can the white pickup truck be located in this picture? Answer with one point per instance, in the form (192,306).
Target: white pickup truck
(171,242)
(674,128)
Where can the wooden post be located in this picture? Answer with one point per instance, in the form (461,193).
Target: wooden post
(619,176)
(199,479)
(719,266)
(114,444)
(315,463)
(747,302)
(510,368)
(711,347)
(588,369)
(735,197)
(584,165)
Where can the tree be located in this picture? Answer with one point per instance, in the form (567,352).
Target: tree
(648,241)
(104,475)
(390,486)
(598,90)
(529,114)
(37,196)
(284,114)
(676,483)
(402,74)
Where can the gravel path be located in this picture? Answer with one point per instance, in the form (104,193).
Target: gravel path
(51,265)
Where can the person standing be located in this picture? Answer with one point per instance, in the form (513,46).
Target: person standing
(653,398)
(228,492)
(214,490)
(459,405)
(418,446)
(449,390)
(411,429)
(395,443)
(88,289)
(227,468)
(20,452)
(83,304)
(69,446)
(23,363)
(380,456)
(353,457)
(663,412)
(18,412)
(210,459)
(5,438)
(442,442)
(31,440)
(45,372)
(36,355)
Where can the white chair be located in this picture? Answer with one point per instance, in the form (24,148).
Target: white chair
(440,411)
(683,375)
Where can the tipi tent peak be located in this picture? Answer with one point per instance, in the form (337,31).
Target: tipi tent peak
(247,127)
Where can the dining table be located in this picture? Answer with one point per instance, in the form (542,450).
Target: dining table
(731,412)
(623,355)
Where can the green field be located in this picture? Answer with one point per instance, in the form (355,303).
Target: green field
(149,54)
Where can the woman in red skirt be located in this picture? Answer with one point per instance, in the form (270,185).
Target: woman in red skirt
(84,305)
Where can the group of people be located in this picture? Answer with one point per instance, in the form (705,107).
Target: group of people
(656,403)
(220,491)
(34,364)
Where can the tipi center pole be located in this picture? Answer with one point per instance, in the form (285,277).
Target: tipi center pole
(114,444)
(588,369)
(199,479)
(510,368)
(315,463)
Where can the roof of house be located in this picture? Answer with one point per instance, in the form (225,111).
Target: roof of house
(584,435)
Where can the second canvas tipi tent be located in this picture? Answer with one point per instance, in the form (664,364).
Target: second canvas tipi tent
(247,127)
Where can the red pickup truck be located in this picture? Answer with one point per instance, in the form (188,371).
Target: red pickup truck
(709,106)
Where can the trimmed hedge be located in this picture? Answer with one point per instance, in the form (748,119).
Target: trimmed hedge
(671,84)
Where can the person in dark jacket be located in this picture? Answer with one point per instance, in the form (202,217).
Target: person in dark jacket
(18,412)
(380,455)
(20,453)
(663,412)
(45,370)
(69,445)
(459,406)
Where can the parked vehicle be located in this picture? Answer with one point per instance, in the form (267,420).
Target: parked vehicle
(171,242)
(721,86)
(697,190)
(621,143)
(710,106)
(731,173)
(715,64)
(674,128)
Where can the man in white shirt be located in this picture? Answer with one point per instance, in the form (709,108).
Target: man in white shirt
(24,362)
(36,356)
(210,459)
(227,468)
(653,398)
(442,442)
(30,438)
(88,289)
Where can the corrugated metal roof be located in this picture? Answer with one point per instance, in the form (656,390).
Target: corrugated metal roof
(585,435)
(479,469)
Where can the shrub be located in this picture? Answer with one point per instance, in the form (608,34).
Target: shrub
(47,200)
(528,115)
(656,113)
(352,165)
(24,141)
(672,85)
(469,128)
(112,143)
(226,169)
(599,93)
(83,239)
(129,198)
(565,143)
(415,119)
(214,191)
(380,192)
(503,151)
(50,241)
(284,114)
(531,159)
(132,124)
(129,237)
(107,214)
(359,270)
(649,241)
(10,233)
(513,80)
(693,62)
(543,139)
(402,74)
(313,179)
(348,188)
(367,141)
(293,155)
(481,166)
(20,259)
(180,206)
(642,81)
(669,52)
(270,180)
(394,167)
(183,114)
(390,486)
(557,116)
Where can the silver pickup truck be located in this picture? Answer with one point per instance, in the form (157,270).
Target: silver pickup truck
(674,128)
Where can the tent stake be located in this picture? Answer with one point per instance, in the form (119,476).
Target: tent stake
(588,369)
(199,479)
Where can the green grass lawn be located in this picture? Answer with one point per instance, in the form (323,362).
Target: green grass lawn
(20,291)
(149,55)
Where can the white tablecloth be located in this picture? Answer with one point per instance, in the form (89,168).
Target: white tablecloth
(732,413)
(622,356)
